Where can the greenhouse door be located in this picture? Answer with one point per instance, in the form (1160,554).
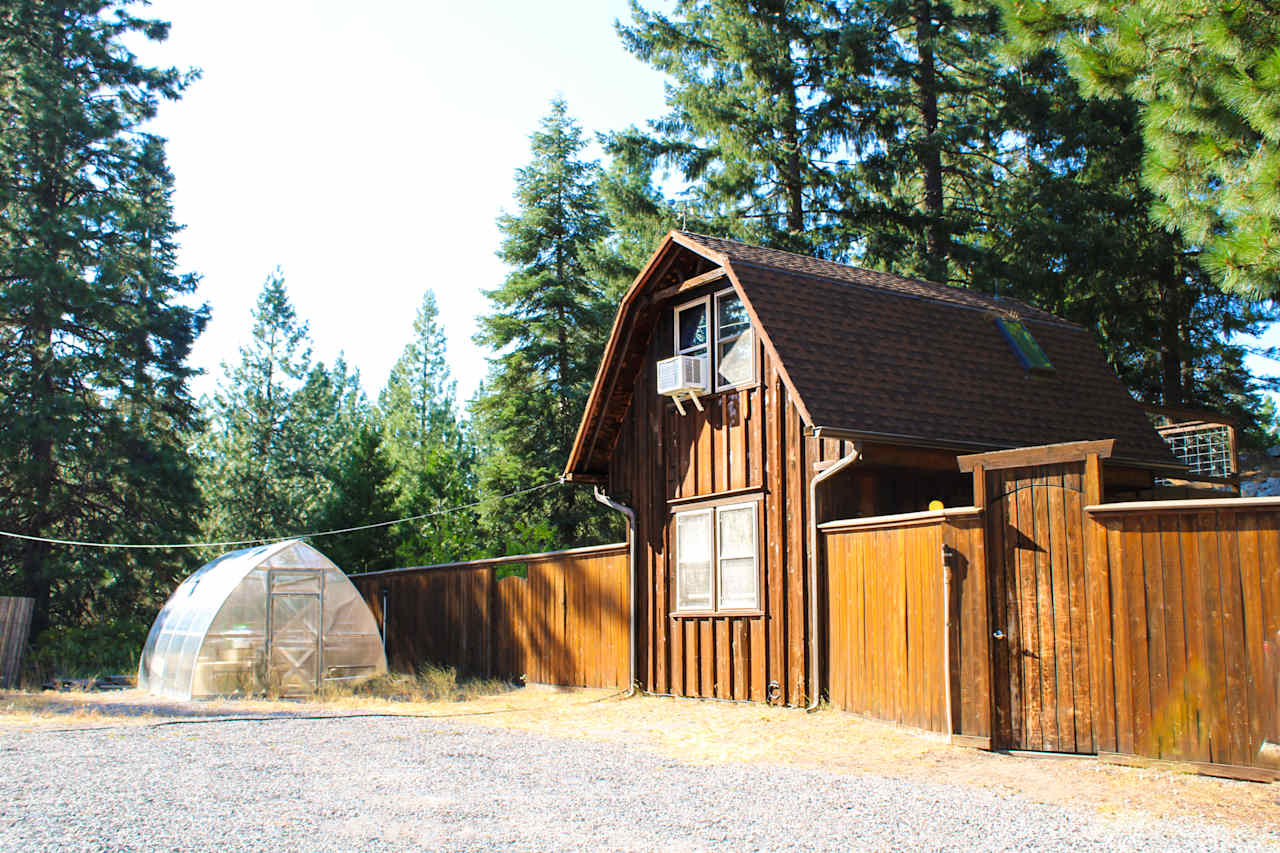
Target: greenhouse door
(293,631)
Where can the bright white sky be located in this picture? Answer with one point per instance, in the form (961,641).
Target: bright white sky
(367,148)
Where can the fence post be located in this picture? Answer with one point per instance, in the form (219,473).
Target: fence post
(15,626)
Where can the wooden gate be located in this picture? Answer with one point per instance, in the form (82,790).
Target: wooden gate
(1041,649)
(1036,551)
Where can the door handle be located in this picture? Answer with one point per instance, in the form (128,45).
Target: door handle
(998,634)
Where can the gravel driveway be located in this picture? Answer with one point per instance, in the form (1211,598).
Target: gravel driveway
(415,784)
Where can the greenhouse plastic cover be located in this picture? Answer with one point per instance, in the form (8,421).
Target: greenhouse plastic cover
(279,617)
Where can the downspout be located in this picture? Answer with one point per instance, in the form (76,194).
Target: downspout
(631,581)
(946,637)
(814,669)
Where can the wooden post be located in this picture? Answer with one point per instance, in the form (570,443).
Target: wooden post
(980,486)
(15,625)
(1092,480)
(1098,582)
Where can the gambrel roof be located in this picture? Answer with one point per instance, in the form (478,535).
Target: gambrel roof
(883,357)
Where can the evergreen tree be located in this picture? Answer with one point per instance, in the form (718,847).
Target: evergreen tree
(360,493)
(922,94)
(95,410)
(1073,233)
(548,326)
(864,131)
(750,118)
(262,463)
(430,450)
(1207,79)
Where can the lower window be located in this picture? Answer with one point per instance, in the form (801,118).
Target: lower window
(717,558)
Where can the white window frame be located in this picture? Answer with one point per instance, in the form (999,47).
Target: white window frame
(716,607)
(710,305)
(716,339)
(705,302)
(676,518)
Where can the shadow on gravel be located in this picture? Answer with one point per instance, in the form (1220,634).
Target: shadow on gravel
(81,704)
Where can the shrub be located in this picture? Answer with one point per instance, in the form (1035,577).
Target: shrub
(109,647)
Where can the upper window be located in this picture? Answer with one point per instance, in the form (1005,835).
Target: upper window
(724,318)
(735,344)
(717,559)
(1024,345)
(692,328)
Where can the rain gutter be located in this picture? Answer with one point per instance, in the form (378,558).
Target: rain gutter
(814,650)
(630,513)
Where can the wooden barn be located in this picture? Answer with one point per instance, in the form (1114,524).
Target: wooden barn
(921,503)
(781,426)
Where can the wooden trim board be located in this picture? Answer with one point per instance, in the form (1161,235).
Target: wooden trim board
(1045,454)
(1204,768)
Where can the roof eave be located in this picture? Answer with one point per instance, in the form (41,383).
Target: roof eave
(970,446)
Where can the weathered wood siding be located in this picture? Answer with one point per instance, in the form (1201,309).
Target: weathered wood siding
(1193,617)
(565,623)
(15,626)
(748,442)
(887,655)
(1039,603)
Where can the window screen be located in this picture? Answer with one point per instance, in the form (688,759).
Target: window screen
(735,344)
(693,560)
(739,577)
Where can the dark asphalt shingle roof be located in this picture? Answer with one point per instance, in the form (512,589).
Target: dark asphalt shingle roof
(881,354)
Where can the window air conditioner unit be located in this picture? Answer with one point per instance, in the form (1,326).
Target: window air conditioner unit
(683,376)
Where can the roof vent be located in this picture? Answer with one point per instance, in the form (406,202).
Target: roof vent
(684,375)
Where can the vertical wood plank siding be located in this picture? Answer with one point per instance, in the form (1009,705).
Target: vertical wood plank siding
(1193,619)
(887,618)
(1042,694)
(15,626)
(565,624)
(748,442)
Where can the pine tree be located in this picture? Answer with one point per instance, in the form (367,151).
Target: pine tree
(262,465)
(548,325)
(430,449)
(94,406)
(922,92)
(360,493)
(1072,232)
(749,121)
(1207,79)
(863,131)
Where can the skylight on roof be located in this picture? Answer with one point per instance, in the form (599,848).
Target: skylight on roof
(1024,345)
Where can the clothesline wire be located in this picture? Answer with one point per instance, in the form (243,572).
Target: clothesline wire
(271,539)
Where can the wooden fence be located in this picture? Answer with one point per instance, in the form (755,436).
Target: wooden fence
(15,625)
(1182,647)
(888,648)
(1194,623)
(565,623)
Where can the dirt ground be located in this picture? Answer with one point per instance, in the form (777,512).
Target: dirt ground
(703,732)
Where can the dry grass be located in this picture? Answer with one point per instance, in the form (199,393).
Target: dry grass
(714,733)
(429,684)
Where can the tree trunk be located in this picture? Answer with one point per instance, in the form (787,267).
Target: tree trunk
(1173,391)
(936,248)
(792,179)
(35,580)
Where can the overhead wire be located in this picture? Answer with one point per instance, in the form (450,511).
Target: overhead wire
(267,540)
